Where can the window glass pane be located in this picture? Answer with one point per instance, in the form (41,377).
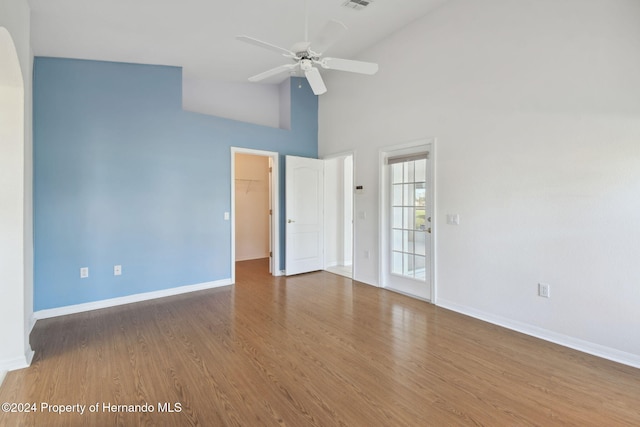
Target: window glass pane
(420,195)
(407,240)
(421,219)
(408,171)
(397,218)
(408,220)
(421,170)
(397,240)
(397,194)
(407,198)
(408,265)
(396,173)
(420,243)
(396,264)
(420,267)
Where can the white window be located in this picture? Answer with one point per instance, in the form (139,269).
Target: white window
(409,220)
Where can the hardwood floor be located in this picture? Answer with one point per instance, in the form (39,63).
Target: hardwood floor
(315,349)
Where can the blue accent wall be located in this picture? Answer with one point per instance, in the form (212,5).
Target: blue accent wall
(122,175)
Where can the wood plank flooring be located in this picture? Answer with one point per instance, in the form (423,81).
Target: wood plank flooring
(315,349)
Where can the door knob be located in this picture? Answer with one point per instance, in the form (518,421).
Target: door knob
(429,230)
(290,221)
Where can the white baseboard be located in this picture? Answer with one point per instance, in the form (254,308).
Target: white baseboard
(17,363)
(401,292)
(366,282)
(112,302)
(13,364)
(547,335)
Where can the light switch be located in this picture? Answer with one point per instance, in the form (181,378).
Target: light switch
(453,219)
(226,216)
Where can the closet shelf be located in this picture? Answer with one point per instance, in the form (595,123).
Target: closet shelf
(249,182)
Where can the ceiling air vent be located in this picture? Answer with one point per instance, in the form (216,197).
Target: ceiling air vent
(357,4)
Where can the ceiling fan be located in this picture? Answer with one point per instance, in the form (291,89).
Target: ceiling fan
(306,59)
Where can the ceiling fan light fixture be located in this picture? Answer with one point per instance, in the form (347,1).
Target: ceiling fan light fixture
(305,57)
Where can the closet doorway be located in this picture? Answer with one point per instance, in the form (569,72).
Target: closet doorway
(254,209)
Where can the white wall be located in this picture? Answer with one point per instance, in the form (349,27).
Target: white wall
(11,220)
(333,202)
(347,194)
(16,219)
(246,102)
(536,109)
(338,196)
(252,207)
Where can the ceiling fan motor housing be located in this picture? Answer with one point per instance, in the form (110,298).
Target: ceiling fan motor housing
(306,64)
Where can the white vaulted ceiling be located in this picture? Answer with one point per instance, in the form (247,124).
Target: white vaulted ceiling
(199,35)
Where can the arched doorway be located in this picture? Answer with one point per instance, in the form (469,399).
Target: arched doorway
(12,212)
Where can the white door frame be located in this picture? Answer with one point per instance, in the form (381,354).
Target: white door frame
(351,153)
(384,214)
(275,206)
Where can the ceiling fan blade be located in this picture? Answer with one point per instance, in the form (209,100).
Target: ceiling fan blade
(329,34)
(315,81)
(265,45)
(272,72)
(349,65)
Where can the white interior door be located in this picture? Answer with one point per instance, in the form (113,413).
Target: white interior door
(304,189)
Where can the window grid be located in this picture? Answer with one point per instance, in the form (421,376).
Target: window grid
(408,219)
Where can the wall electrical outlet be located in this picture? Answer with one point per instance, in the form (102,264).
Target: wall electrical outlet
(544,290)
(117,270)
(84,272)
